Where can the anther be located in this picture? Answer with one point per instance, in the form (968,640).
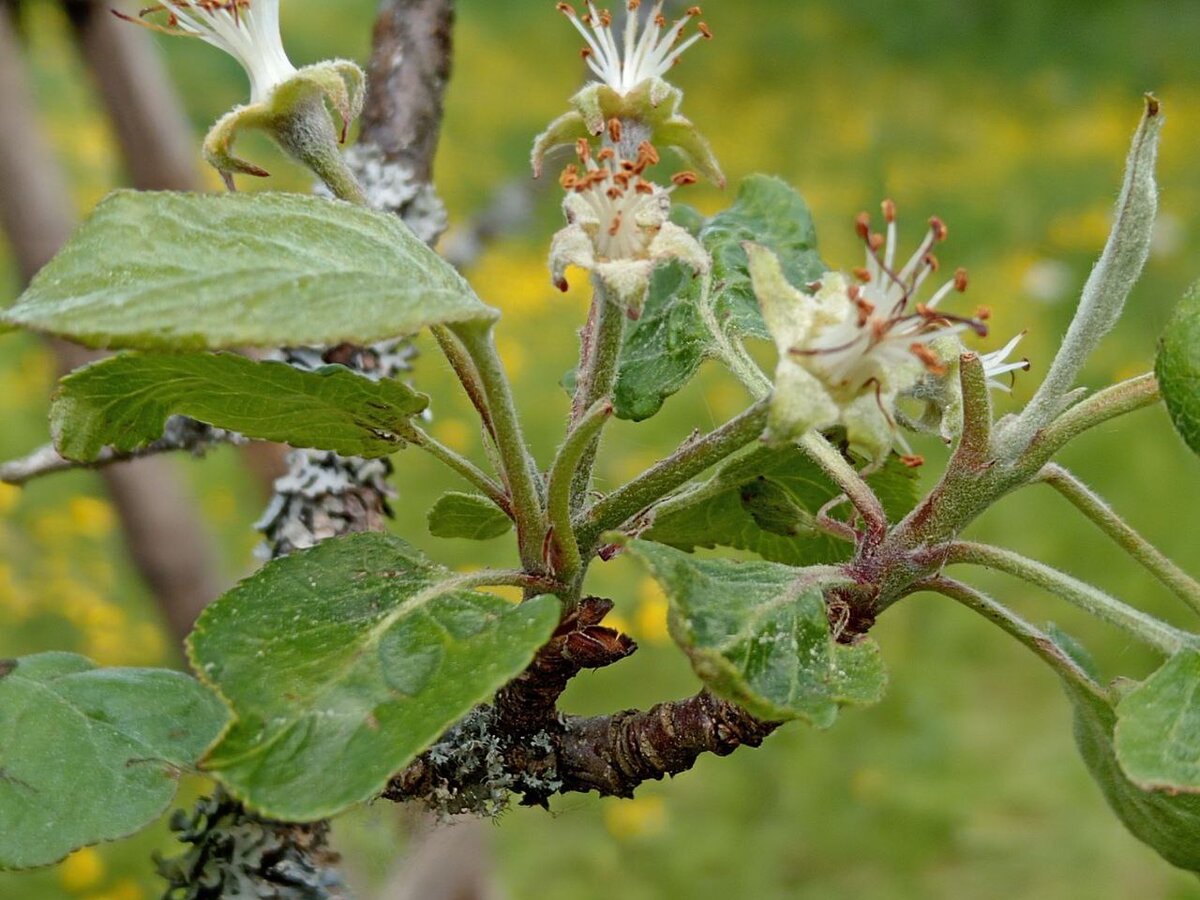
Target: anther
(862,225)
(961,280)
(983,313)
(705,30)
(606,155)
(583,149)
(646,150)
(566,9)
(862,275)
(889,211)
(876,242)
(615,226)
(913,462)
(694,11)
(614,130)
(683,179)
(938,228)
(929,359)
(933,262)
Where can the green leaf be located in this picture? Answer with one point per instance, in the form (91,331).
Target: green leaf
(124,402)
(1178,367)
(343,662)
(169,271)
(765,501)
(1158,728)
(758,634)
(90,755)
(1166,821)
(469,516)
(665,348)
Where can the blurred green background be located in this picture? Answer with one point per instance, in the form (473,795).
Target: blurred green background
(1010,120)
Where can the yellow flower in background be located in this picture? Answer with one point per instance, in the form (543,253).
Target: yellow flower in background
(91,517)
(81,870)
(636,818)
(10,497)
(652,613)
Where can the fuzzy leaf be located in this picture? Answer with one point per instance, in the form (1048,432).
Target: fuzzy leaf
(1178,368)
(1158,728)
(766,501)
(666,347)
(1168,822)
(758,634)
(469,516)
(89,754)
(169,271)
(124,401)
(343,662)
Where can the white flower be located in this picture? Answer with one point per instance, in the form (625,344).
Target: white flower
(849,347)
(286,102)
(618,226)
(646,51)
(248,30)
(996,364)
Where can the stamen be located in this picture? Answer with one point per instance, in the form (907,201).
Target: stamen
(683,179)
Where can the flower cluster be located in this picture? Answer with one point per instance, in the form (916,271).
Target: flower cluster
(850,346)
(618,226)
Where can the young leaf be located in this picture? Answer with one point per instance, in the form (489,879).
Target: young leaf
(124,402)
(1178,367)
(766,501)
(677,332)
(1166,821)
(469,516)
(168,271)
(88,754)
(1158,728)
(343,662)
(758,634)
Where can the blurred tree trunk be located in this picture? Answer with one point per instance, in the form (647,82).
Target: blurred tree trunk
(173,554)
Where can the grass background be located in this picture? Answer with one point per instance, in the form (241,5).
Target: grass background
(1010,120)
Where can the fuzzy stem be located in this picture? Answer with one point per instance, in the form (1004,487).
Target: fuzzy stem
(580,440)
(600,355)
(671,473)
(518,464)
(418,437)
(308,135)
(1092,600)
(465,371)
(1103,406)
(998,614)
(845,476)
(1093,506)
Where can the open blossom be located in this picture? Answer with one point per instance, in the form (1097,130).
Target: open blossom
(618,226)
(629,84)
(644,52)
(286,102)
(248,31)
(851,345)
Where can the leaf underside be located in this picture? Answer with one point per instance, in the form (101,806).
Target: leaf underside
(176,271)
(758,634)
(1178,368)
(469,516)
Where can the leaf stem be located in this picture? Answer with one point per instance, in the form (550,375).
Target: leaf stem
(520,470)
(845,476)
(418,437)
(599,357)
(1145,628)
(1103,406)
(579,440)
(692,458)
(998,614)
(464,369)
(1106,519)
